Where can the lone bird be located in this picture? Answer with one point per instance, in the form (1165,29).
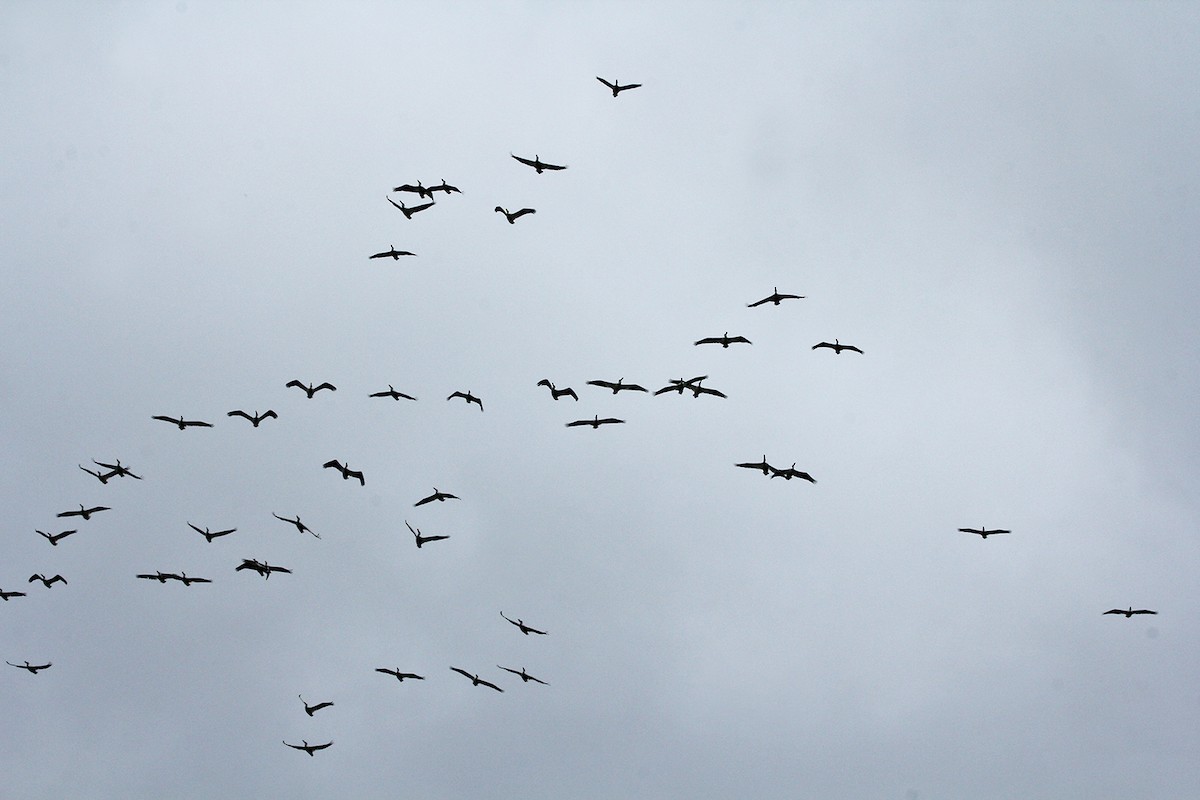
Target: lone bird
(791,472)
(619,386)
(309,748)
(347,473)
(418,190)
(6,595)
(983,532)
(393,253)
(1129,612)
(400,676)
(310,710)
(210,535)
(410,210)
(468,397)
(525,629)
(86,513)
(300,526)
(538,164)
(557,393)
(616,86)
(445,187)
(53,538)
(763,465)
(837,347)
(392,393)
(421,540)
(48,582)
(31,667)
(513,216)
(310,390)
(523,675)
(119,470)
(595,422)
(257,418)
(441,497)
(776,298)
(476,680)
(725,340)
(183,423)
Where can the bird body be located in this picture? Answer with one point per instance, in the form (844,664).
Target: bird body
(616,86)
(86,513)
(418,190)
(513,216)
(300,526)
(6,595)
(310,710)
(538,164)
(392,253)
(119,470)
(183,423)
(261,567)
(410,210)
(31,667)
(983,532)
(441,497)
(421,540)
(256,418)
(210,535)
(47,581)
(525,629)
(347,473)
(392,393)
(556,393)
(468,397)
(837,347)
(309,748)
(310,390)
(791,472)
(53,538)
(724,340)
(595,422)
(523,675)
(400,676)
(619,386)
(763,465)
(476,680)
(776,298)
(1129,612)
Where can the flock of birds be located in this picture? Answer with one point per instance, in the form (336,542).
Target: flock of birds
(105,472)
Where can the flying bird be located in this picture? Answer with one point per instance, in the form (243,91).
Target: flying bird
(183,423)
(513,216)
(523,675)
(393,253)
(309,748)
(210,535)
(421,540)
(837,347)
(102,476)
(261,567)
(725,340)
(310,390)
(476,680)
(557,393)
(538,164)
(595,422)
(680,385)
(525,629)
(439,496)
(763,465)
(410,210)
(161,577)
(1129,612)
(310,710)
(418,190)
(31,667)
(53,538)
(616,86)
(48,582)
(347,473)
(619,386)
(468,397)
(392,393)
(6,595)
(188,581)
(86,513)
(300,526)
(445,187)
(776,298)
(119,470)
(257,418)
(400,676)
(983,532)
(791,472)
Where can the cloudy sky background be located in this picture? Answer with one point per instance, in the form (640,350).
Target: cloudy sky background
(997,203)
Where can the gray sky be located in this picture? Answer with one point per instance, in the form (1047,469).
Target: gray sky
(997,203)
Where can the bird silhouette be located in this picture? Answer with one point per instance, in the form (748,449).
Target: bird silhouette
(513,216)
(837,347)
(763,465)
(680,385)
(776,298)
(347,473)
(48,582)
(86,513)
(619,386)
(310,710)
(525,629)
(476,680)
(256,418)
(468,397)
(300,526)
(310,390)
(392,393)
(53,538)
(791,472)
(186,580)
(616,86)
(261,567)
(439,496)
(210,535)
(557,393)
(392,253)
(418,190)
(410,210)
(523,675)
(595,422)
(725,340)
(421,540)
(182,423)
(538,164)
(309,748)
(161,577)
(101,476)
(445,187)
(31,667)
(119,470)
(1129,612)
(983,533)
(400,676)
(6,595)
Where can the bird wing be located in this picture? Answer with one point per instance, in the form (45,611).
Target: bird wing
(610,421)
(270,413)
(851,347)
(521,213)
(705,390)
(1144,611)
(70,513)
(605,384)
(271,568)
(568,393)
(56,579)
(439,537)
(457,394)
(328,386)
(606,83)
(512,621)
(555,167)
(240,413)
(633,387)
(970,530)
(296,383)
(463,672)
(320,746)
(758,302)
(422,207)
(822,344)
(804,475)
(482,682)
(524,160)
(739,339)
(386,671)
(425,500)
(1114,611)
(393,202)
(195,423)
(334,463)
(166,419)
(710,340)
(295,746)
(579,422)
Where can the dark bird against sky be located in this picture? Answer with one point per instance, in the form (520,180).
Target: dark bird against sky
(182,423)
(538,164)
(48,582)
(525,629)
(392,253)
(724,340)
(616,86)
(86,513)
(1129,612)
(300,526)
(256,418)
(468,397)
(556,393)
(347,473)
(476,680)
(410,210)
(309,389)
(422,539)
(513,216)
(392,393)
(523,675)
(309,748)
(441,497)
(983,532)
(595,422)
(54,538)
(776,298)
(837,347)
(31,667)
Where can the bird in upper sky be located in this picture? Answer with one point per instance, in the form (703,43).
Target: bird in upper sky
(310,390)
(468,397)
(392,253)
(261,567)
(186,580)
(300,526)
(513,216)
(791,472)
(525,629)
(1129,612)
(418,190)
(347,473)
(523,675)
(445,187)
(310,710)
(476,680)
(410,210)
(53,538)
(398,675)
(210,535)
(837,347)
(725,340)
(595,422)
(439,496)
(119,470)
(183,423)
(86,513)
(983,533)
(776,298)
(101,476)
(256,418)
(619,386)
(616,86)
(557,393)
(6,595)
(309,748)
(161,577)
(679,385)
(392,393)
(421,539)
(763,465)
(31,667)
(538,164)
(48,582)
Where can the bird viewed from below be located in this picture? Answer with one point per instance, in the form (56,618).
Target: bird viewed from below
(476,680)
(680,385)
(392,253)
(6,595)
(421,539)
(300,526)
(792,472)
(525,629)
(409,210)
(210,535)
(776,298)
(983,533)
(724,340)
(538,164)
(837,347)
(186,580)
(523,675)
(119,470)
(1129,612)
(347,473)
(445,187)
(513,216)
(441,497)
(182,423)
(256,418)
(595,422)
(619,386)
(418,189)
(309,389)
(101,476)
(48,582)
(54,538)
(261,567)
(392,393)
(617,87)
(762,465)
(34,668)
(398,675)
(468,397)
(309,748)
(161,577)
(310,710)
(556,393)
(86,513)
